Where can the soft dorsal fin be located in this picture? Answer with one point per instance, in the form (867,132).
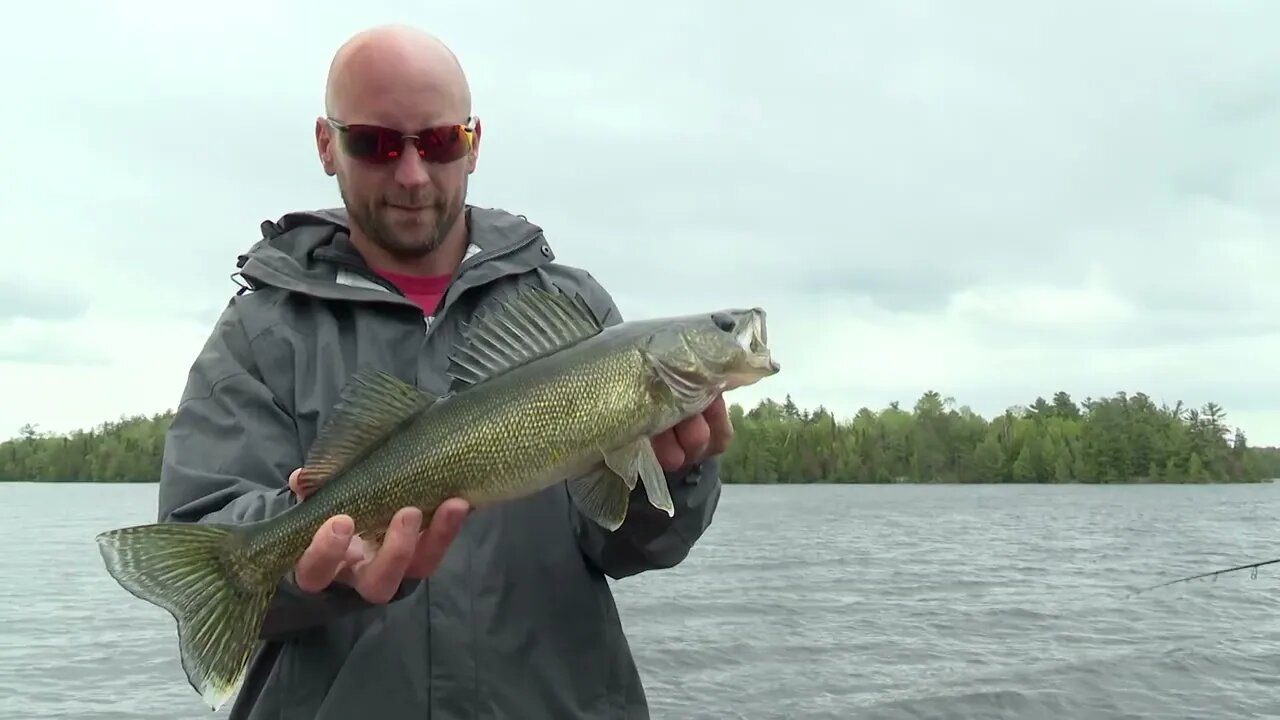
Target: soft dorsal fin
(371,406)
(531,324)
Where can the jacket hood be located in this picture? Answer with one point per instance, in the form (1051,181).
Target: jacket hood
(308,252)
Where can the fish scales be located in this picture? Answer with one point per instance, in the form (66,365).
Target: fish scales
(566,410)
(543,395)
(484,448)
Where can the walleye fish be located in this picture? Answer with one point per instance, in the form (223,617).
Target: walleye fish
(542,394)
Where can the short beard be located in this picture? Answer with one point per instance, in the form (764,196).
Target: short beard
(383,235)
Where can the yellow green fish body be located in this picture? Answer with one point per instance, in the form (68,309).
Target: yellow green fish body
(545,394)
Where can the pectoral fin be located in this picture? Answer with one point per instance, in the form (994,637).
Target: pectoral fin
(604,493)
(601,495)
(639,459)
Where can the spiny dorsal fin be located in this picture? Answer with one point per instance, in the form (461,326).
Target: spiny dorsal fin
(371,406)
(533,323)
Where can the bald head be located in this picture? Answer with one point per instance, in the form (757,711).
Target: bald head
(398,65)
(408,214)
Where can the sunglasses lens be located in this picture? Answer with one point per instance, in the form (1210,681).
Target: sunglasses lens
(373,144)
(444,145)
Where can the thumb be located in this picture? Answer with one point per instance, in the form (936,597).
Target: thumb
(295,483)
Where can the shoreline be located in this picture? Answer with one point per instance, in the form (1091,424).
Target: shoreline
(1124,439)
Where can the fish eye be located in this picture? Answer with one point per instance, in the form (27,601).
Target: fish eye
(724,321)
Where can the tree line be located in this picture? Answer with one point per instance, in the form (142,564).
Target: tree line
(1122,438)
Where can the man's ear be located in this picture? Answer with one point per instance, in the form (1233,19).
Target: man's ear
(324,147)
(474,155)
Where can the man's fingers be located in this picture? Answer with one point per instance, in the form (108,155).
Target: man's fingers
(717,417)
(694,434)
(668,450)
(321,561)
(359,551)
(435,540)
(407,550)
(378,580)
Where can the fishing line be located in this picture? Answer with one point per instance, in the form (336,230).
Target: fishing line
(1252,567)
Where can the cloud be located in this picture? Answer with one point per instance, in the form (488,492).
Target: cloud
(38,302)
(996,200)
(41,341)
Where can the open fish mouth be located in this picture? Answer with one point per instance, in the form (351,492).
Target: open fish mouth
(753,338)
(759,327)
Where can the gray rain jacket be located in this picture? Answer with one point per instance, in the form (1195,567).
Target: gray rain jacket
(519,620)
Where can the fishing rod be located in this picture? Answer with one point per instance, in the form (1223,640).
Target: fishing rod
(1214,574)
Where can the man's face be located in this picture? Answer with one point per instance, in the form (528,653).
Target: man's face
(406,205)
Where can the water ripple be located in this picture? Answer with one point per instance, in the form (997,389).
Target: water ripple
(881,602)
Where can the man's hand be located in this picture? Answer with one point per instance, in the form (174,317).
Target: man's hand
(408,550)
(695,439)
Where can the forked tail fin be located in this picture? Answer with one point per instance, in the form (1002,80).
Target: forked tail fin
(184,568)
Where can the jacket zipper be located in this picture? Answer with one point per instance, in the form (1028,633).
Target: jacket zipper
(431,323)
(467,265)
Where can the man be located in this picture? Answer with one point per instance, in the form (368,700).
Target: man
(496,612)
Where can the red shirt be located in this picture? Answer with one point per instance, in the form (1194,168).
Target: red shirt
(425,290)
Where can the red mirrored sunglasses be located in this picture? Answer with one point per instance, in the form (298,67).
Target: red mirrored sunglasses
(377,145)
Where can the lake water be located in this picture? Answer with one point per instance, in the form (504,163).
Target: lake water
(877,602)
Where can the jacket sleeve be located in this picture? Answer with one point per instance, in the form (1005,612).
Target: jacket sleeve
(648,538)
(227,458)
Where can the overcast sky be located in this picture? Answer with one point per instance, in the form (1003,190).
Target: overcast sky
(996,200)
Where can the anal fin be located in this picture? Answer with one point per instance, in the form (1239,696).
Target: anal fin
(371,406)
(373,540)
